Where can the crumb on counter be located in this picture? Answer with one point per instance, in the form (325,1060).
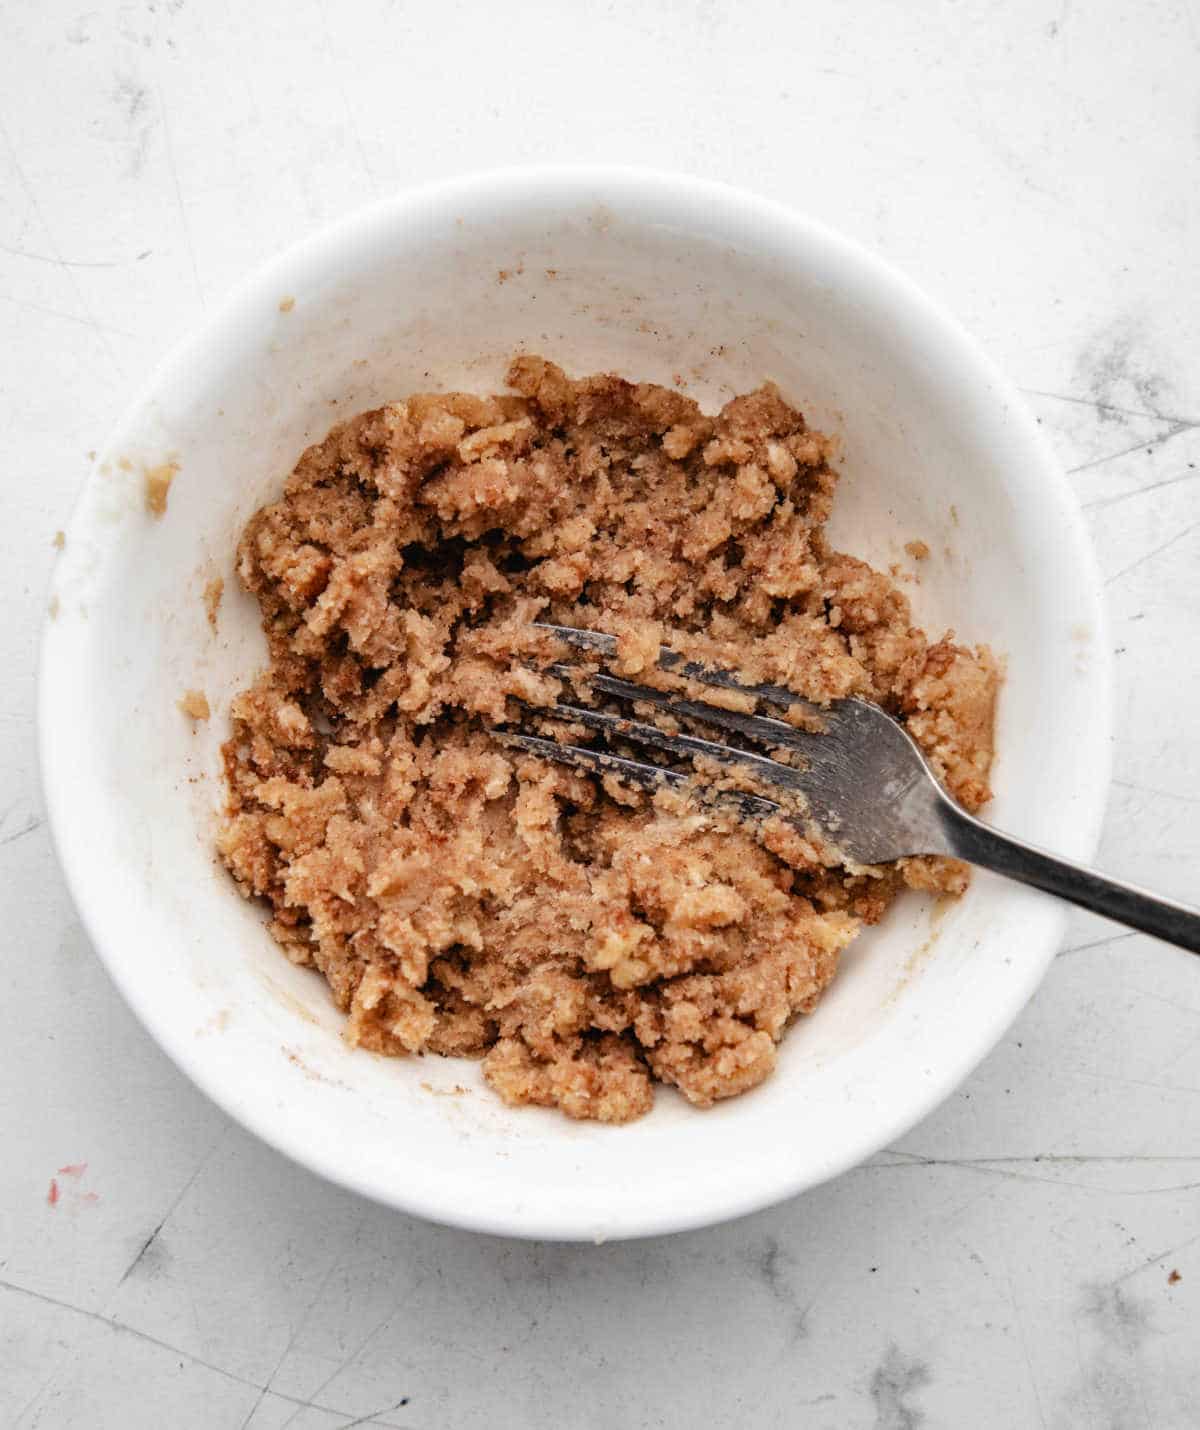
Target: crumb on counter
(157,486)
(213,591)
(60,540)
(287,304)
(52,608)
(585,938)
(918,550)
(194,703)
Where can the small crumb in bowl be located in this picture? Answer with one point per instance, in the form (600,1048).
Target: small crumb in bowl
(213,591)
(60,540)
(194,704)
(918,550)
(287,304)
(158,485)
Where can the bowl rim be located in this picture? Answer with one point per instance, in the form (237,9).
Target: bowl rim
(624,184)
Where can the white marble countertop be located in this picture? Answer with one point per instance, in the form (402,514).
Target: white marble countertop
(1030,1255)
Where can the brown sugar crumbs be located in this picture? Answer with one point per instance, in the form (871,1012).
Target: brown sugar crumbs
(214,589)
(194,704)
(584,938)
(158,485)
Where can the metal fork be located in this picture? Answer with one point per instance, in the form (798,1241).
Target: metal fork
(862,781)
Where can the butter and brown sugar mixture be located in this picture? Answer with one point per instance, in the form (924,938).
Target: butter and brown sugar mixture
(584,937)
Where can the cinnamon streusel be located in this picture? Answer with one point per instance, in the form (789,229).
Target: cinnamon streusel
(583,937)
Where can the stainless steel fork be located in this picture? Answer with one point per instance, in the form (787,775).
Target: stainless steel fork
(862,781)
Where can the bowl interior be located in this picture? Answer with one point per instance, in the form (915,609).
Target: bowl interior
(659,279)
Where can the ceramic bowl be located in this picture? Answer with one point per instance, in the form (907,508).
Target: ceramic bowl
(660,278)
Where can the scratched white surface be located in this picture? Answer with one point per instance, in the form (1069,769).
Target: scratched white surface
(1035,165)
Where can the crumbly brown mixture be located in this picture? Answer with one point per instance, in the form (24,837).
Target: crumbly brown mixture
(461,898)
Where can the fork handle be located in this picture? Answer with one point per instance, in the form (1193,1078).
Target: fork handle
(980,844)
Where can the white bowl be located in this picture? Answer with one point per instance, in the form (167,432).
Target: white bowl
(654,276)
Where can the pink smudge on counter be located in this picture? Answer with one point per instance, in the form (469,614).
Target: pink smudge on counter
(52,1194)
(73,1169)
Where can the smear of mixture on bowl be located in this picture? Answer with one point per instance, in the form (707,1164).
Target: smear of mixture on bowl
(584,937)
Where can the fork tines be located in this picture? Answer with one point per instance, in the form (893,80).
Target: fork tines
(765,731)
(679,665)
(650,777)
